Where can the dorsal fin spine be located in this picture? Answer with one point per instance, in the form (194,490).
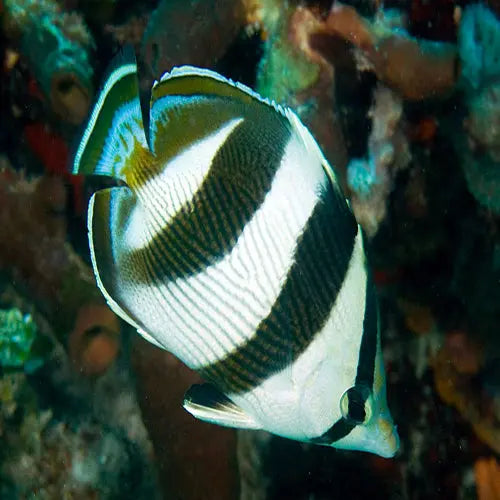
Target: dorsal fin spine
(182,71)
(115,130)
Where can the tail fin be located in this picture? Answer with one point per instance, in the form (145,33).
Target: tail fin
(115,131)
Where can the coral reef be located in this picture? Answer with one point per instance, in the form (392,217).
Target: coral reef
(207,41)
(293,72)
(415,68)
(196,460)
(41,263)
(57,45)
(404,98)
(17,333)
(85,457)
(479,44)
(371,180)
(454,367)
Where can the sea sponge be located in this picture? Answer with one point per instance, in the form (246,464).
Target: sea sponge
(183,445)
(36,257)
(56,45)
(479,47)
(293,72)
(17,332)
(416,69)
(370,180)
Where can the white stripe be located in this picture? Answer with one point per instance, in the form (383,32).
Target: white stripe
(150,303)
(115,76)
(327,367)
(301,130)
(166,193)
(230,298)
(174,310)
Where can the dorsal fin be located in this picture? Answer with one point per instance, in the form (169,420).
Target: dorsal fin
(189,103)
(114,133)
(183,84)
(188,80)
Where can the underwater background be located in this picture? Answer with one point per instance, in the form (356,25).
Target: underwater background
(404,98)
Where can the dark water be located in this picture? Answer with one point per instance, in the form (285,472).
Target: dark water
(403,99)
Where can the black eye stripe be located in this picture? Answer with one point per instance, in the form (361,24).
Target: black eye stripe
(364,376)
(352,404)
(356,411)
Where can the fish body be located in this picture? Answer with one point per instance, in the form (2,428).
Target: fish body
(231,245)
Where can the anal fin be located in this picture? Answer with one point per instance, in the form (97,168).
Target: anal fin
(207,403)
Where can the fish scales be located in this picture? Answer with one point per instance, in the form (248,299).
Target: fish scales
(316,267)
(230,244)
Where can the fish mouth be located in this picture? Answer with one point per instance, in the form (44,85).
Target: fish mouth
(387,441)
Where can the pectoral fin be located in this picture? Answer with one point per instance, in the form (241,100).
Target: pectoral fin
(207,403)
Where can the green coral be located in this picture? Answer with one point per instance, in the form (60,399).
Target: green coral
(54,41)
(17,334)
(284,71)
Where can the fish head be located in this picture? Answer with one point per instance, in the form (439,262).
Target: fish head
(350,410)
(370,425)
(366,423)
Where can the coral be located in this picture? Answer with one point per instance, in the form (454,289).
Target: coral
(293,72)
(202,45)
(50,459)
(196,460)
(479,46)
(487,475)
(252,446)
(416,69)
(35,256)
(370,180)
(89,443)
(17,333)
(57,45)
(285,69)
(454,368)
(298,68)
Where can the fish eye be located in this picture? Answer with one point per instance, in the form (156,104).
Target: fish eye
(355,405)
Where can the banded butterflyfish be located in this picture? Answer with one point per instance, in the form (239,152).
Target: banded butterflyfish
(230,244)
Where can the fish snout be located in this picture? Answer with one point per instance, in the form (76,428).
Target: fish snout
(385,437)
